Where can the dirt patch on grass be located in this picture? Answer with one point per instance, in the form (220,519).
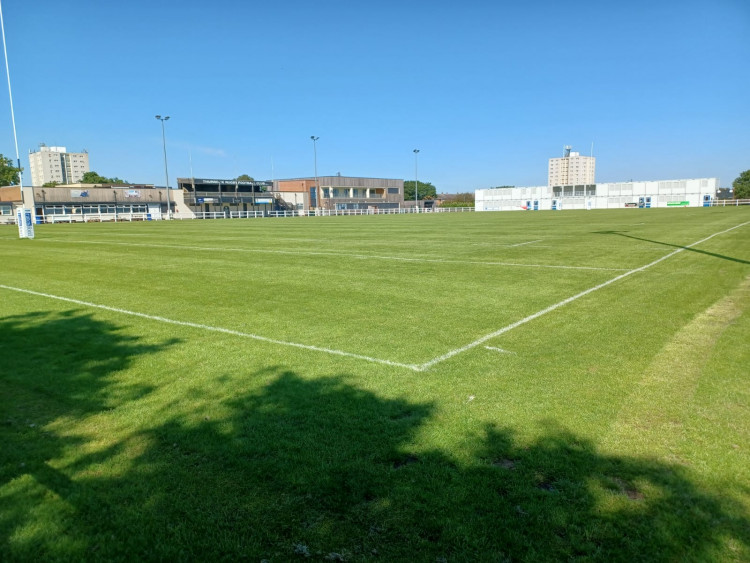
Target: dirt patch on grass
(504,463)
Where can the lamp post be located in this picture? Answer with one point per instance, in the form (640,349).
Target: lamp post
(166,173)
(416,182)
(317,185)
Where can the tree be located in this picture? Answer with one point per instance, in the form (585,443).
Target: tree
(9,174)
(742,186)
(94,178)
(50,184)
(425,190)
(245,178)
(465,199)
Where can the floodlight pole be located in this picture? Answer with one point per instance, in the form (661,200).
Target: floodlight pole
(416,182)
(317,184)
(166,172)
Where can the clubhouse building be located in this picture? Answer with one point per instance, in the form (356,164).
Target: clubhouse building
(341,193)
(203,195)
(91,202)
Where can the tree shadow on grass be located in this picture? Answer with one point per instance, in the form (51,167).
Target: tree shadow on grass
(319,469)
(689,248)
(53,365)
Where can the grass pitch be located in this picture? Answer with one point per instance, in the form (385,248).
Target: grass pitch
(459,387)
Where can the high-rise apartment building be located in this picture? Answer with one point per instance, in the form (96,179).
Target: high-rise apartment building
(55,164)
(571,170)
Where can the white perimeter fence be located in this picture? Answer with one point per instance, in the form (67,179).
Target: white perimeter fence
(126,217)
(729,202)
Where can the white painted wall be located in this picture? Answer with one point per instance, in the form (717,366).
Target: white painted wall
(608,195)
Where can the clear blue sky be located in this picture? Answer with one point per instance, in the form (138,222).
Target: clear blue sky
(487,90)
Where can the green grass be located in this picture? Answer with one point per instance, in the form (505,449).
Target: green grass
(612,428)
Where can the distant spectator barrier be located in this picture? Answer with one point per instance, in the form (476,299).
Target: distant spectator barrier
(729,202)
(129,217)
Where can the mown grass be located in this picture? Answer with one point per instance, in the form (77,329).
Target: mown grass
(613,428)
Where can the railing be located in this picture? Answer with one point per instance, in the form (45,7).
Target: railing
(322,212)
(119,217)
(245,214)
(397,211)
(729,202)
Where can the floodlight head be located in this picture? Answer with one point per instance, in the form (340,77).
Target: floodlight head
(314,138)
(166,117)
(158,117)
(416,151)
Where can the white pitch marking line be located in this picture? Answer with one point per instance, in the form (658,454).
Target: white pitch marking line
(551,308)
(341,254)
(498,245)
(213,328)
(523,243)
(419,367)
(499,350)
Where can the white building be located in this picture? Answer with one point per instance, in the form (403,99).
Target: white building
(55,164)
(658,193)
(572,169)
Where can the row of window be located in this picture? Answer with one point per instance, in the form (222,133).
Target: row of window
(88,209)
(360,193)
(574,191)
